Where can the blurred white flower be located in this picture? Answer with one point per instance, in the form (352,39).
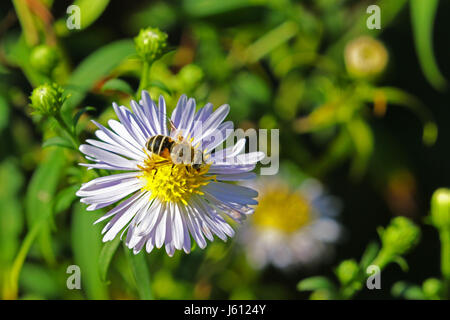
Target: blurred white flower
(291,228)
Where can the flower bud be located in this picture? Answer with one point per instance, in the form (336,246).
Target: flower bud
(365,57)
(44,59)
(321,294)
(432,288)
(347,271)
(440,208)
(47,99)
(400,236)
(150,44)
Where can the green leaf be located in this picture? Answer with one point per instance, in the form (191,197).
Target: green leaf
(422,17)
(160,85)
(29,28)
(59,142)
(90,10)
(37,279)
(315,283)
(17,52)
(369,254)
(140,272)
(4,113)
(118,85)
(401,263)
(252,87)
(86,245)
(11,215)
(203,8)
(106,255)
(363,143)
(162,15)
(96,66)
(3,70)
(78,115)
(38,205)
(271,40)
(399,97)
(39,196)
(65,198)
(337,152)
(11,288)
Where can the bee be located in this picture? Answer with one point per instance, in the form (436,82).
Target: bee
(176,150)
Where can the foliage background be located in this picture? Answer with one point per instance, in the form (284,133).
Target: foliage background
(399,177)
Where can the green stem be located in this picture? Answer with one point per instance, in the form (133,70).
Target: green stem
(138,265)
(26,21)
(348,291)
(73,137)
(70,133)
(145,77)
(383,258)
(11,285)
(271,40)
(445,260)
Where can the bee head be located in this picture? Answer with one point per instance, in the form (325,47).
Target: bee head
(181,153)
(186,154)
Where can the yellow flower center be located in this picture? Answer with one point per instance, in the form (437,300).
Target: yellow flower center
(173,182)
(283,210)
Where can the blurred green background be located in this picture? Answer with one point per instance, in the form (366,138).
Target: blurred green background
(373,130)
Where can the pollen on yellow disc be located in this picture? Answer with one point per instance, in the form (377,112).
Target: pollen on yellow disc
(284,210)
(173,183)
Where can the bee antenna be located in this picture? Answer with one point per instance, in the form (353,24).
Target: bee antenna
(172,125)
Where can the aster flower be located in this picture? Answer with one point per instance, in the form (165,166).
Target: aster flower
(167,204)
(291,227)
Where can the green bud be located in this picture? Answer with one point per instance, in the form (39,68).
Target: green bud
(347,271)
(440,208)
(400,236)
(321,294)
(47,99)
(365,57)
(44,59)
(432,288)
(150,44)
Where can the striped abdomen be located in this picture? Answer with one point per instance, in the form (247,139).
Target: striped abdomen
(160,145)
